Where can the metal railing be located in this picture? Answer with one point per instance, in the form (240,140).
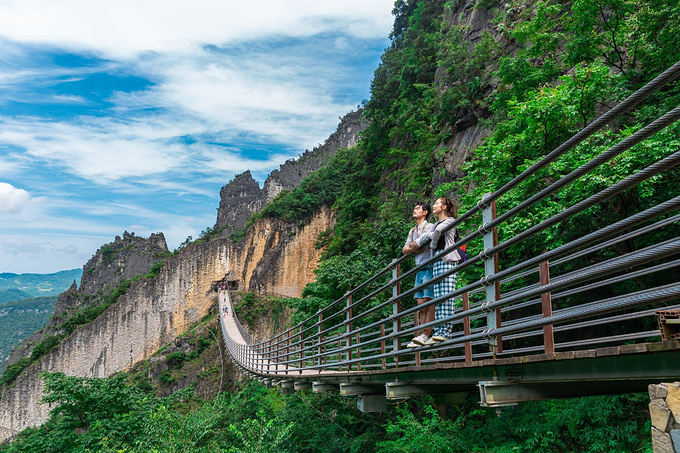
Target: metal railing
(504,312)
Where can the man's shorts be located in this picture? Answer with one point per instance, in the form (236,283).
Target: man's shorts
(423,276)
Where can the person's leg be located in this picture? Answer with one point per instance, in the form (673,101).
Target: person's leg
(424,316)
(427,315)
(448,306)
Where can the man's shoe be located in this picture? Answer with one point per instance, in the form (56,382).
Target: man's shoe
(420,340)
(438,338)
(412,345)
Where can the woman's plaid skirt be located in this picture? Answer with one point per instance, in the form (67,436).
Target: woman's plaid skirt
(447,307)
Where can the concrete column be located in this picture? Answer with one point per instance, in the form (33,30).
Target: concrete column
(664,410)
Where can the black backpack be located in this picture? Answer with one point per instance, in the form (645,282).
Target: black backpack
(441,245)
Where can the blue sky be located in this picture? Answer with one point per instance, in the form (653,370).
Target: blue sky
(131,115)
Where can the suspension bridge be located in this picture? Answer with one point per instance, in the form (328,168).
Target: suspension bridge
(558,323)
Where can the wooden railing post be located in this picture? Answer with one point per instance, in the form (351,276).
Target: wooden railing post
(416,323)
(546,307)
(319,341)
(466,328)
(358,351)
(396,308)
(497,283)
(287,359)
(301,347)
(348,330)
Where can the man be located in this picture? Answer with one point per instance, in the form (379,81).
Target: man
(423,227)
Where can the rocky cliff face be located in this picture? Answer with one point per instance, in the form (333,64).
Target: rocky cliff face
(242,196)
(274,257)
(124,258)
(277,258)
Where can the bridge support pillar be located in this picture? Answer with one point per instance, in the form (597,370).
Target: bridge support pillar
(445,393)
(370,398)
(349,389)
(287,387)
(300,386)
(664,410)
(371,403)
(322,387)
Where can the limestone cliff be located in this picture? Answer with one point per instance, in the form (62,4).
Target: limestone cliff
(273,257)
(277,258)
(124,258)
(242,196)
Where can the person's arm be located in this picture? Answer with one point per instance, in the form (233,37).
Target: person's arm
(425,235)
(408,246)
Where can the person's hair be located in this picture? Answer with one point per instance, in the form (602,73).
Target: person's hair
(451,209)
(425,207)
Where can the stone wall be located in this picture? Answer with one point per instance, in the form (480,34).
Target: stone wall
(150,314)
(664,410)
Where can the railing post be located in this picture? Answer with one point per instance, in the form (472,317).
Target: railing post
(497,283)
(301,347)
(466,328)
(348,330)
(490,268)
(396,308)
(287,359)
(358,351)
(382,346)
(319,342)
(546,307)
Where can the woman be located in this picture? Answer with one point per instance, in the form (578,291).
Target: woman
(445,211)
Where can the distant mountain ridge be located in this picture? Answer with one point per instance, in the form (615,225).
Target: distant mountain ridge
(37,285)
(12,294)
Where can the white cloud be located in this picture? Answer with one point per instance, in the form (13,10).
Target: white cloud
(101,150)
(68,99)
(20,247)
(12,200)
(221,87)
(128,27)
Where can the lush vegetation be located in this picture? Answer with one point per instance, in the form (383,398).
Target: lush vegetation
(113,415)
(20,319)
(541,72)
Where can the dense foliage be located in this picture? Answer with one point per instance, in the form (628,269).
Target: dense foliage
(542,71)
(539,73)
(21,318)
(112,415)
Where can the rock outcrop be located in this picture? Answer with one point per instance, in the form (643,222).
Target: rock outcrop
(124,258)
(273,257)
(242,196)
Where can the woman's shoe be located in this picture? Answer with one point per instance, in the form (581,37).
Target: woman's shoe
(420,340)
